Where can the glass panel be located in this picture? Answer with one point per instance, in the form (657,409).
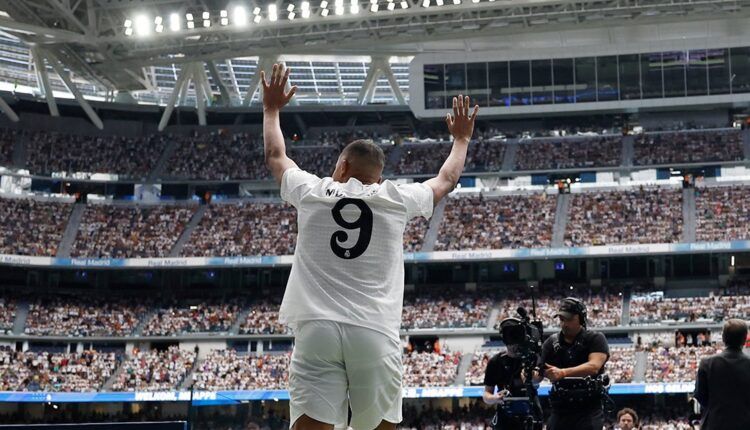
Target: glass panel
(563,79)
(674,73)
(651,78)
(498,74)
(630,77)
(455,80)
(606,75)
(434,94)
(718,71)
(697,73)
(740,79)
(585,79)
(476,83)
(541,81)
(520,83)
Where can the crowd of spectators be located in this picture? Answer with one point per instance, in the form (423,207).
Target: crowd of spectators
(84,316)
(154,370)
(203,317)
(445,310)
(621,364)
(217,156)
(229,370)
(7,315)
(643,215)
(263,318)
(657,423)
(426,158)
(551,154)
(485,156)
(130,231)
(656,309)
(8,138)
(514,221)
(472,416)
(430,369)
(422,158)
(223,156)
(722,213)
(32,227)
(414,234)
(50,152)
(475,372)
(246,228)
(55,371)
(676,364)
(688,147)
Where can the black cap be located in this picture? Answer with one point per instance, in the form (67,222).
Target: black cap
(568,308)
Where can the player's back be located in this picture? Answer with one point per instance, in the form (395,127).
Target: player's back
(348,264)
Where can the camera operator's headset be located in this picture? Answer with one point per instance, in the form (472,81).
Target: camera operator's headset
(508,322)
(578,308)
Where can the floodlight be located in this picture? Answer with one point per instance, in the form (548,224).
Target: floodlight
(272,12)
(142,25)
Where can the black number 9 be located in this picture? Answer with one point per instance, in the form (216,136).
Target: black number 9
(363,223)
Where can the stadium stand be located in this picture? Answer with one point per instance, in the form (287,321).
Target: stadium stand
(515,221)
(643,215)
(553,154)
(688,147)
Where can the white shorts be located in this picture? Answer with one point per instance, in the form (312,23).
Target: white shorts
(336,366)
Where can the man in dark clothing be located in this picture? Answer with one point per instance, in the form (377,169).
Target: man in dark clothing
(575,352)
(722,383)
(504,374)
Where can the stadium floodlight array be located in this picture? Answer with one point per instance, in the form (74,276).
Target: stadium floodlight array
(235,15)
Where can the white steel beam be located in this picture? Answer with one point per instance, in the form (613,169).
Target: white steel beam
(181,82)
(200,95)
(58,67)
(43,80)
(8,110)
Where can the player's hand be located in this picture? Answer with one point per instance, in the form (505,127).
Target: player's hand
(553,373)
(274,95)
(461,123)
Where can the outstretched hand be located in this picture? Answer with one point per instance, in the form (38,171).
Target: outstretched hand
(461,124)
(275,96)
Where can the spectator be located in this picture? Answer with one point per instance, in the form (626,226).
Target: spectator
(519,221)
(32,227)
(644,215)
(155,370)
(688,147)
(723,213)
(569,153)
(127,231)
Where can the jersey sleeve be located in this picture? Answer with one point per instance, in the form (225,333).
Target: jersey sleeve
(418,199)
(295,184)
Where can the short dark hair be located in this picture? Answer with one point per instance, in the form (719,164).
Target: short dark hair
(366,150)
(628,411)
(735,333)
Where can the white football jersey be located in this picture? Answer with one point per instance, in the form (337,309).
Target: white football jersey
(349,261)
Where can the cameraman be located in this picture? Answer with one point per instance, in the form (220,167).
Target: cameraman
(575,352)
(504,372)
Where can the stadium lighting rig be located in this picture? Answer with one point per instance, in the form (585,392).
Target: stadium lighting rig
(237,16)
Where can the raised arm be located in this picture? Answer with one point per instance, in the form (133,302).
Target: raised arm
(461,127)
(275,98)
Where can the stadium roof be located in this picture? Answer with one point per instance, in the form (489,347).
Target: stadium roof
(111,42)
